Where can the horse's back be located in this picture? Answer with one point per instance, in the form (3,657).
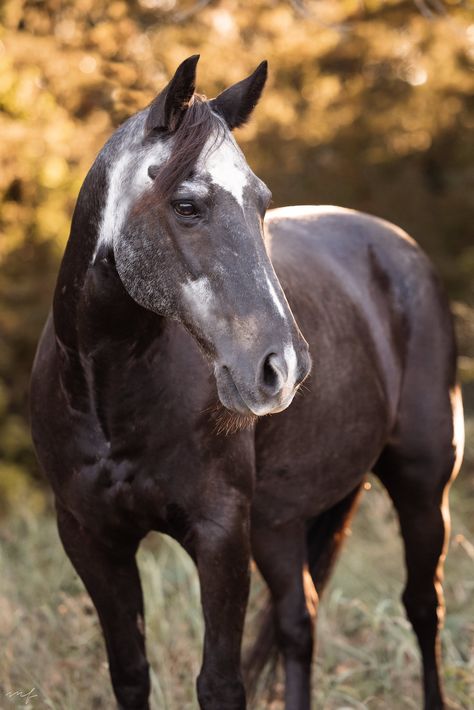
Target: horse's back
(352,246)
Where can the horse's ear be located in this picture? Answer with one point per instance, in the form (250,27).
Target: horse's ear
(168,108)
(236,103)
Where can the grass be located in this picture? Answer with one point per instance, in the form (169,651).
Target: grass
(366,657)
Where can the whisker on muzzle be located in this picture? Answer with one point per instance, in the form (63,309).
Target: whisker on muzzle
(226,422)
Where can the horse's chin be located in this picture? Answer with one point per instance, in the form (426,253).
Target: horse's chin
(230,421)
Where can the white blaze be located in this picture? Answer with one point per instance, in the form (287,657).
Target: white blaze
(226,166)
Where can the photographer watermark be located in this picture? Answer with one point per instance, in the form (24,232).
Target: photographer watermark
(24,696)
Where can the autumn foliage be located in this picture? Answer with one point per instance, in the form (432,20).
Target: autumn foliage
(367,107)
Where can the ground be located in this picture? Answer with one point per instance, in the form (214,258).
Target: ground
(366,655)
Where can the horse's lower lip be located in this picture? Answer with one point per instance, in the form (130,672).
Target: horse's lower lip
(234,401)
(272,409)
(230,396)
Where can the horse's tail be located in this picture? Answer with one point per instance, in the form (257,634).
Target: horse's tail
(325,535)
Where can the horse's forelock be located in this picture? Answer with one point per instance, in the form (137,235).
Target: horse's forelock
(196,128)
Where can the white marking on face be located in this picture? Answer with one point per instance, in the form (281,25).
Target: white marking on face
(226,166)
(292,364)
(221,161)
(193,188)
(275,299)
(199,297)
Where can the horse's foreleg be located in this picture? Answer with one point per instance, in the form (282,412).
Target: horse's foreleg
(112,580)
(281,558)
(221,546)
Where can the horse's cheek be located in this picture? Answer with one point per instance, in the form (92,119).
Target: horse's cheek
(143,266)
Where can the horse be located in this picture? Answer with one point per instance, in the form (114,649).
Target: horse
(176,330)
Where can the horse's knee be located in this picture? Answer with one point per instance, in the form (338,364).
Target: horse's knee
(133,695)
(417,476)
(295,635)
(423,608)
(216,692)
(427,478)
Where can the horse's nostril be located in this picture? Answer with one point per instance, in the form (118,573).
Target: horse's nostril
(270,374)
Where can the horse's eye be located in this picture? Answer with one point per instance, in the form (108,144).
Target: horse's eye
(185,209)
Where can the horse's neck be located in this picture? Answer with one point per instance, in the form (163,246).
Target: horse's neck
(94,317)
(76,263)
(83,243)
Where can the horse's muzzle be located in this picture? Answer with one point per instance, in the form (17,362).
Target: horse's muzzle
(271,386)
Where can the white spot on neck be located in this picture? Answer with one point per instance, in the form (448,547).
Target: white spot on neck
(117,204)
(127,179)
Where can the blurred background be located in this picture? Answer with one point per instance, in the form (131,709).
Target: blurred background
(370,106)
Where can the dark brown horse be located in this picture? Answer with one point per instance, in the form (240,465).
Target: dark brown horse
(172,334)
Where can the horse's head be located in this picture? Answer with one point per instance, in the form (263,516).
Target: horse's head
(184,216)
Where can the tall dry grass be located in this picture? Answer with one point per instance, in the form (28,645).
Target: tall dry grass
(366,657)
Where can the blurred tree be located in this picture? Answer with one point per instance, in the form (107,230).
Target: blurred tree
(369,106)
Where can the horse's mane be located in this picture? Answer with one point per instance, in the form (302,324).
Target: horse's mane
(198,124)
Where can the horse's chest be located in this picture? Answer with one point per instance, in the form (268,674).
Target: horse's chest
(311,456)
(126,481)
(127,493)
